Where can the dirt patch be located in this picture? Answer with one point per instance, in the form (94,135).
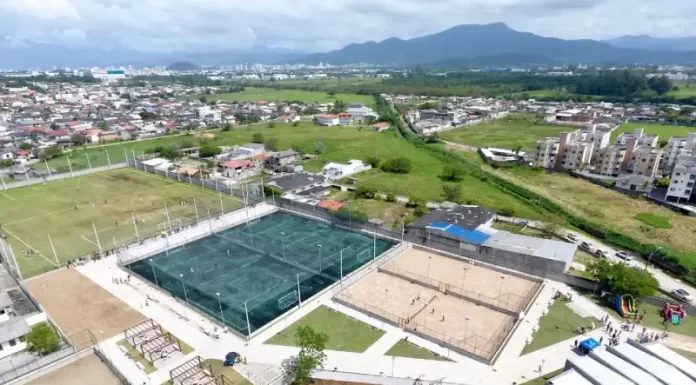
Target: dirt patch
(85,371)
(75,303)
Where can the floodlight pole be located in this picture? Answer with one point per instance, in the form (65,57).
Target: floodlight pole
(19,272)
(374,245)
(189,175)
(55,255)
(27,176)
(126,154)
(222,208)
(69,166)
(216,185)
(210,221)
(320,259)
(273,196)
(299,293)
(166,210)
(263,191)
(152,265)
(97,237)
(283,243)
(246,312)
(108,159)
(194,205)
(222,315)
(137,236)
(50,177)
(4,186)
(403,230)
(89,162)
(135,159)
(184,285)
(341,265)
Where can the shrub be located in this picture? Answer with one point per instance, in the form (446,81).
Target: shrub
(365,192)
(257,138)
(271,144)
(415,201)
(452,173)
(391,197)
(209,150)
(43,339)
(400,165)
(373,161)
(420,211)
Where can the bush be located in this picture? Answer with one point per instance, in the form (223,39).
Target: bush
(451,192)
(271,144)
(420,211)
(270,125)
(373,161)
(415,201)
(257,138)
(398,165)
(365,192)
(319,147)
(43,339)
(6,163)
(209,150)
(452,173)
(391,197)
(348,215)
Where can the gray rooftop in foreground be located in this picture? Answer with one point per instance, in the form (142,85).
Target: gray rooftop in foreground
(469,217)
(569,377)
(665,372)
(630,371)
(15,327)
(538,247)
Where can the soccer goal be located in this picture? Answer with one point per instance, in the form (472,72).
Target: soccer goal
(287,300)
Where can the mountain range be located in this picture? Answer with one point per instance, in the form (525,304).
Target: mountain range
(655,43)
(475,43)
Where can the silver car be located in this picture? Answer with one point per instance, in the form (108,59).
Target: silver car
(625,255)
(682,295)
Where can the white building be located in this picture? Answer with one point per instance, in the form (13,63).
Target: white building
(681,187)
(339,170)
(328,120)
(675,147)
(645,161)
(546,151)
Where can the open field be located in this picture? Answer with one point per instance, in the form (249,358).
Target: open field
(686,90)
(404,348)
(607,207)
(515,130)
(70,210)
(345,333)
(664,131)
(254,94)
(559,324)
(85,371)
(76,303)
(392,213)
(541,380)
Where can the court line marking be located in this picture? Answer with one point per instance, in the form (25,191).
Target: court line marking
(8,196)
(27,245)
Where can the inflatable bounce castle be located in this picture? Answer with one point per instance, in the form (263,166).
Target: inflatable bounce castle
(674,314)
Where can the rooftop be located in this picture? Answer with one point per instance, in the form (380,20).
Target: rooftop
(538,247)
(468,217)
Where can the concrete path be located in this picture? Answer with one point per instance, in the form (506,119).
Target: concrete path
(385,343)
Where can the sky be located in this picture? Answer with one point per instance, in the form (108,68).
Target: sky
(319,25)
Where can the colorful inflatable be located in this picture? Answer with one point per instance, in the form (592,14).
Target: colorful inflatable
(626,306)
(673,314)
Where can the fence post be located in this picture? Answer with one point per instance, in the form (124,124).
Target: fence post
(4,186)
(97,237)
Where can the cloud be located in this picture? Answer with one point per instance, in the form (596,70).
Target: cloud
(214,25)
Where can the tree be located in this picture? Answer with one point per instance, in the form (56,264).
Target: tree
(623,279)
(203,99)
(25,146)
(451,192)
(271,144)
(400,165)
(663,182)
(49,153)
(6,163)
(331,94)
(420,211)
(391,197)
(365,192)
(270,125)
(257,138)
(226,127)
(319,147)
(147,115)
(299,369)
(415,201)
(78,139)
(452,173)
(373,161)
(103,126)
(662,143)
(43,339)
(209,150)
(660,84)
(295,124)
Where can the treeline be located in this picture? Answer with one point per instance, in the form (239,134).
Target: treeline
(186,80)
(626,84)
(678,262)
(60,78)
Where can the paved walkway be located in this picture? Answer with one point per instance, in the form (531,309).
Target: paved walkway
(264,361)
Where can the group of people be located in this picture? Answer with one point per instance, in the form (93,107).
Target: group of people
(28,252)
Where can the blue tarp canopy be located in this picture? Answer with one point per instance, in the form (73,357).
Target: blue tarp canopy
(590,344)
(471,236)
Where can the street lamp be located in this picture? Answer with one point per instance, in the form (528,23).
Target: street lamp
(222,315)
(500,292)
(283,243)
(464,278)
(650,257)
(429,259)
(184,285)
(152,265)
(320,262)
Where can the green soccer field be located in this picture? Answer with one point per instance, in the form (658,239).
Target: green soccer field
(70,210)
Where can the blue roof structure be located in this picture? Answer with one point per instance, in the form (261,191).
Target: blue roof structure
(471,236)
(590,344)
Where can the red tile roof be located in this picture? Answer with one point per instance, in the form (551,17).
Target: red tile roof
(381,125)
(57,133)
(345,115)
(263,156)
(330,205)
(328,116)
(238,163)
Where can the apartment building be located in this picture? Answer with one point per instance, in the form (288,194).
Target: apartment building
(546,151)
(645,161)
(677,146)
(681,188)
(640,138)
(609,160)
(575,155)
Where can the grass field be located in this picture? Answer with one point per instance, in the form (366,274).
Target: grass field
(512,131)
(217,367)
(664,131)
(653,220)
(136,356)
(392,213)
(541,380)
(67,209)
(686,90)
(254,94)
(608,207)
(559,324)
(345,333)
(404,348)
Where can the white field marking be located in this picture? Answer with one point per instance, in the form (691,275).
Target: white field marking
(186,184)
(27,245)
(8,196)
(83,237)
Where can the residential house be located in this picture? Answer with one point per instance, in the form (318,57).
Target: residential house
(297,182)
(239,169)
(339,170)
(381,126)
(345,118)
(328,120)
(108,136)
(634,183)
(289,118)
(92,135)
(444,116)
(360,111)
(277,161)
(58,135)
(7,153)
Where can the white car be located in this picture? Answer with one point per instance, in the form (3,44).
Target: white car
(572,237)
(625,255)
(682,295)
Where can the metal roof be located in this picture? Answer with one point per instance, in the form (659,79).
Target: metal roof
(668,355)
(538,247)
(627,369)
(14,328)
(666,373)
(569,377)
(596,372)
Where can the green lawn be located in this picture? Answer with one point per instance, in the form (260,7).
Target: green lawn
(392,213)
(664,131)
(254,94)
(512,131)
(686,90)
(559,324)
(66,210)
(541,380)
(137,357)
(690,355)
(404,348)
(185,348)
(654,220)
(345,333)
(217,367)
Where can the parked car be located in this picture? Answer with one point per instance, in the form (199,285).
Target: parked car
(682,295)
(602,253)
(572,237)
(587,246)
(625,255)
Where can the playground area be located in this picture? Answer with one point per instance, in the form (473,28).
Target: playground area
(248,275)
(75,303)
(465,320)
(197,371)
(50,223)
(506,291)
